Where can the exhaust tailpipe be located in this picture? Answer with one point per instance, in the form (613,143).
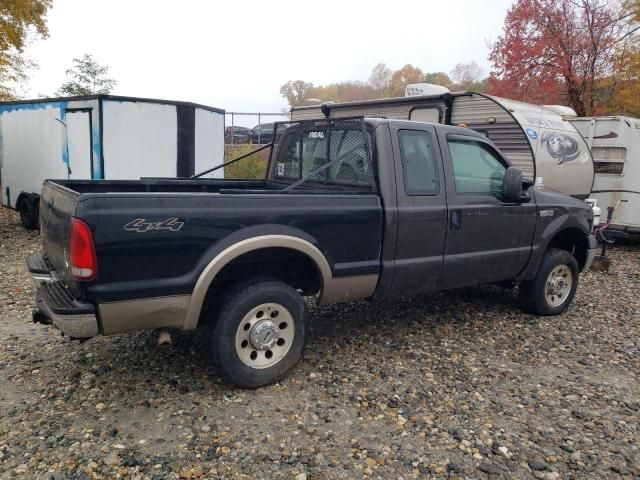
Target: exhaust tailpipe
(164,338)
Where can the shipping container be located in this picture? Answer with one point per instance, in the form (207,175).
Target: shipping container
(101,137)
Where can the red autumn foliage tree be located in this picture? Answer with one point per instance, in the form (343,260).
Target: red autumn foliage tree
(552,50)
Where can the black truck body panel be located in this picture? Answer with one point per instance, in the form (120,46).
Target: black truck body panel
(138,264)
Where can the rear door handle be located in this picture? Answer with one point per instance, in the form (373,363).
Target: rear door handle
(456,220)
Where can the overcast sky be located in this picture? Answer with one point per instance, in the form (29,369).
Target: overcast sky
(235,55)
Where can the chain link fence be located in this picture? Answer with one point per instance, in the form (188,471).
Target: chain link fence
(242,128)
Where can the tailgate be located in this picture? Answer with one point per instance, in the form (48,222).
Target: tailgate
(57,205)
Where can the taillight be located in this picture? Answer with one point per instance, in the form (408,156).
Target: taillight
(82,252)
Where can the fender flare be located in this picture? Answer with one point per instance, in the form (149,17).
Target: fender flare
(555,228)
(245,246)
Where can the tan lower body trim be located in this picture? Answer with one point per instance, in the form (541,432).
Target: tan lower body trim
(163,312)
(343,289)
(142,314)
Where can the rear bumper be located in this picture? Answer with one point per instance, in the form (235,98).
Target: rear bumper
(56,305)
(591,251)
(39,268)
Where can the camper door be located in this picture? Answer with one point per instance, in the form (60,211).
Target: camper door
(79,143)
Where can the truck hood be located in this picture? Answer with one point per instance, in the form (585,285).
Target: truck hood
(581,211)
(552,197)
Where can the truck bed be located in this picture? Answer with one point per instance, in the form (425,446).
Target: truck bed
(140,256)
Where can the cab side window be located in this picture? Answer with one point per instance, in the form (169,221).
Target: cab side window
(418,165)
(477,168)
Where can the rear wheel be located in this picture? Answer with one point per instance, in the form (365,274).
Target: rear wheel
(260,333)
(29,214)
(554,286)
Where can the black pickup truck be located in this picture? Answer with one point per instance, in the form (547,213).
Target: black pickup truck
(347,209)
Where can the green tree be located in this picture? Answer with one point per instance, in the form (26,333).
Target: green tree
(88,77)
(20,21)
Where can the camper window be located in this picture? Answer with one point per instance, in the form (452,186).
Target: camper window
(610,168)
(425,114)
(476,167)
(420,176)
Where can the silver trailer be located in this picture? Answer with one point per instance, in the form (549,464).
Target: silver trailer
(615,145)
(536,139)
(101,137)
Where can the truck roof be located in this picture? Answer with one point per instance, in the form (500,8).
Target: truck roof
(456,130)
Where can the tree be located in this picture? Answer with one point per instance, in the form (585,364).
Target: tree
(464,75)
(401,78)
(380,78)
(344,92)
(619,93)
(296,91)
(555,48)
(632,8)
(88,77)
(438,78)
(481,86)
(20,21)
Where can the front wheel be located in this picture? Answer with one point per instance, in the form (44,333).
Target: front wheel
(260,332)
(554,285)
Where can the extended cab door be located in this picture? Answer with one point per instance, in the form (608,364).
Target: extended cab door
(488,239)
(422,208)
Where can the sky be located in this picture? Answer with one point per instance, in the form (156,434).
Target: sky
(236,55)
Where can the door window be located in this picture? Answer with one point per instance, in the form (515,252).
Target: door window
(418,165)
(477,168)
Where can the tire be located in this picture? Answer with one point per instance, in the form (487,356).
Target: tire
(260,333)
(555,284)
(29,213)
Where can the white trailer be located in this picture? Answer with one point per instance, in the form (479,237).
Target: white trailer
(101,137)
(615,145)
(535,138)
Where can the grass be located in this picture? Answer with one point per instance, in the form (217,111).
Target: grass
(252,167)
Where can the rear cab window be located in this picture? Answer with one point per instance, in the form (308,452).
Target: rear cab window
(337,151)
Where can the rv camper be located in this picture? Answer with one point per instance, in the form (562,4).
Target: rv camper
(536,139)
(101,137)
(615,146)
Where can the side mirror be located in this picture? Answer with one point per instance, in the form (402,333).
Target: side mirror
(515,186)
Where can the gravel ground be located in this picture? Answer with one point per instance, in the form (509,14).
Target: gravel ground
(457,384)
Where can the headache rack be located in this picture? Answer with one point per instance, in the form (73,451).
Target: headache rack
(312,155)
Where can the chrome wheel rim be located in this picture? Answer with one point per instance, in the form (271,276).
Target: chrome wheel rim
(265,335)
(558,286)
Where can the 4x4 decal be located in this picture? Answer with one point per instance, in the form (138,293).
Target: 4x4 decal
(141,225)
